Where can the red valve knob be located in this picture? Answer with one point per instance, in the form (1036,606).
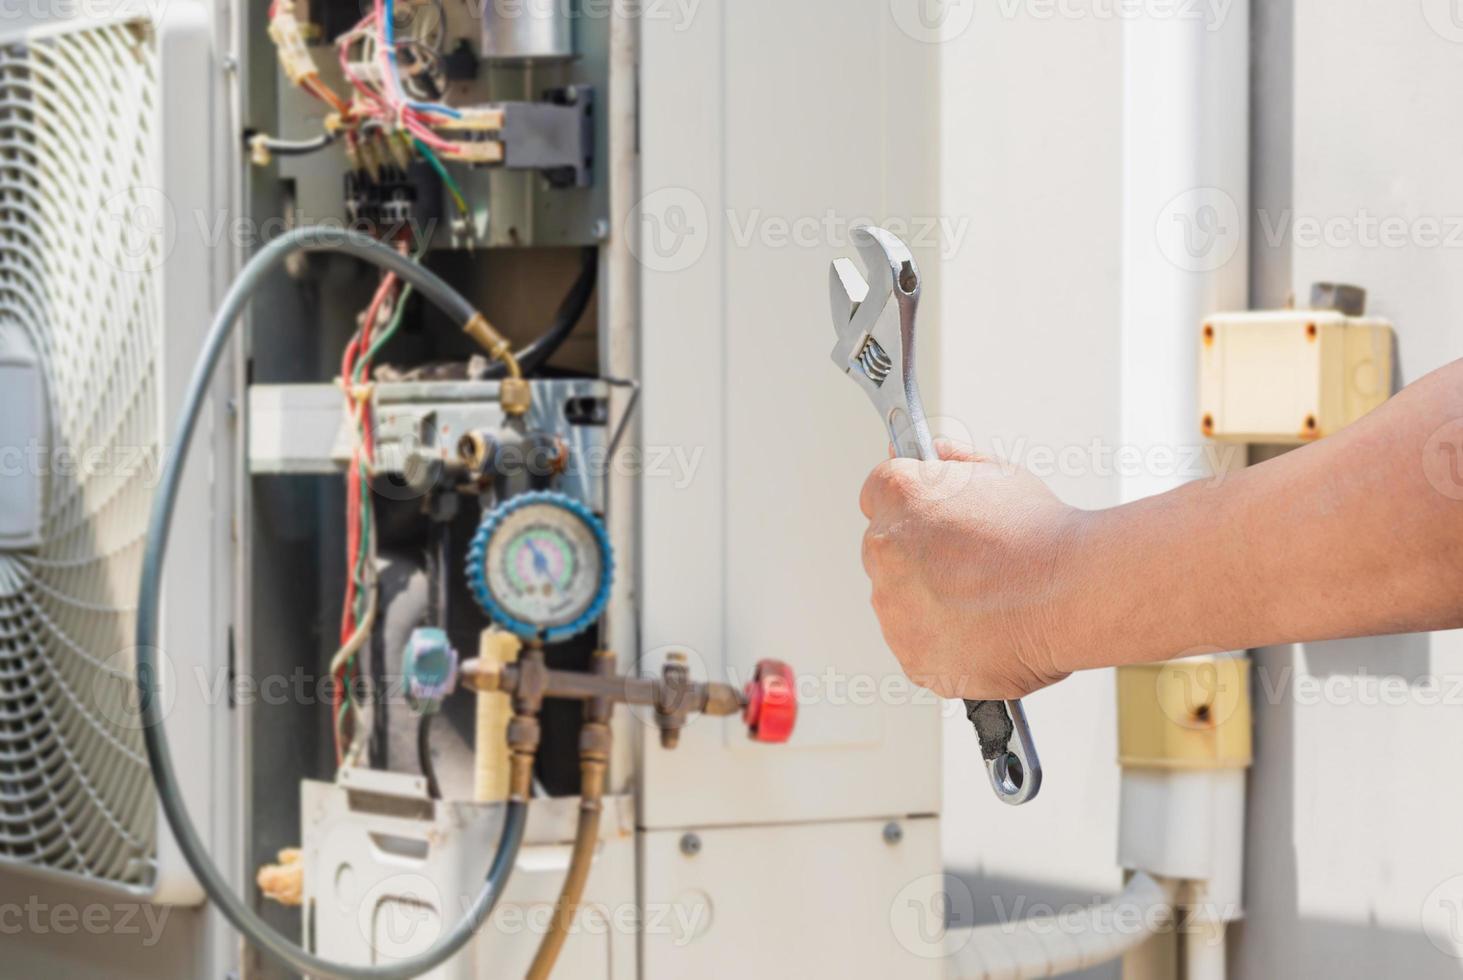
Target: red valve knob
(772,703)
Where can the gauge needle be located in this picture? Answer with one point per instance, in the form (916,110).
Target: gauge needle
(540,563)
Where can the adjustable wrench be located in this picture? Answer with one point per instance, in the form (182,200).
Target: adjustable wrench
(874,320)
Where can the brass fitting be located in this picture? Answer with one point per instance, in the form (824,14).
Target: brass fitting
(486,337)
(673,696)
(515,395)
(476,450)
(523,739)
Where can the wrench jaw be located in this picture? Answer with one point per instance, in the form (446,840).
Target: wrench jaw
(874,319)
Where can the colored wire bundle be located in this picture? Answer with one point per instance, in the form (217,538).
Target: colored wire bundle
(380,99)
(358,613)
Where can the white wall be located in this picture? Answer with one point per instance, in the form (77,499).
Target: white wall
(1354,810)
(1030,360)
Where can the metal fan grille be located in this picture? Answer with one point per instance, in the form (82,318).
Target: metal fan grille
(78,259)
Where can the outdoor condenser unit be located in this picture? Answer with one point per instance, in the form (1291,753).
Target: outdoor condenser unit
(103,290)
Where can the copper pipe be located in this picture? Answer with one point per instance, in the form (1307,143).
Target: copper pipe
(594,754)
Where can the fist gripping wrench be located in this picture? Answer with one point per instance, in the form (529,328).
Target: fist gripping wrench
(874,320)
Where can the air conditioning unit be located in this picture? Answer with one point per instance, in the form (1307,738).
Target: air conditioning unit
(103,294)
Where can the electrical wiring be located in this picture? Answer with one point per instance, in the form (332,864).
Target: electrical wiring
(382,100)
(385,16)
(451,184)
(293,148)
(357,614)
(359,609)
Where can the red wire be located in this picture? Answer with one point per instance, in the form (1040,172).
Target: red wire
(360,411)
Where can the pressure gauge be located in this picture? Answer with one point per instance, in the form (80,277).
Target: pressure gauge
(540,566)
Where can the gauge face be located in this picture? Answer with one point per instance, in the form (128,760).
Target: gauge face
(544,566)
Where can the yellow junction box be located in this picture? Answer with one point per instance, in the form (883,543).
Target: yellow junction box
(1185,714)
(1290,376)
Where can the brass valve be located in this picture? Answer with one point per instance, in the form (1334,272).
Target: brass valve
(768,704)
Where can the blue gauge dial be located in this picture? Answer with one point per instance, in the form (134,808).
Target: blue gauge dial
(540,565)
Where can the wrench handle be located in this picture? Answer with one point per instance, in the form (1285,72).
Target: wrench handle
(1006,747)
(1005,739)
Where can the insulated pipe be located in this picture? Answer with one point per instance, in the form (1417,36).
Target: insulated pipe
(1049,946)
(619,354)
(494,711)
(1204,952)
(1184,257)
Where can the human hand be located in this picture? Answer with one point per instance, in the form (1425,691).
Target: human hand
(964,555)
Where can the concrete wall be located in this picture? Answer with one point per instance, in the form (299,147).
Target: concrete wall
(1351,830)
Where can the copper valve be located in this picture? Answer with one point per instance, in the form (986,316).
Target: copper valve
(768,704)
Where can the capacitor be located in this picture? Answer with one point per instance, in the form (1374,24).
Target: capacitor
(519,31)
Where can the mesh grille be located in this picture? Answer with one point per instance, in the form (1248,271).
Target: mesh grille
(77,123)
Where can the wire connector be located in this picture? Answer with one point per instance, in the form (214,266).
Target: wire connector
(259,154)
(289,39)
(484,152)
(474,119)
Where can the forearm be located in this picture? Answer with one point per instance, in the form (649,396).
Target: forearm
(1358,534)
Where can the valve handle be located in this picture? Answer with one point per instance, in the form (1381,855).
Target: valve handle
(772,703)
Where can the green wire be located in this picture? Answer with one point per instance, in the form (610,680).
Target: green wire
(452,187)
(391,328)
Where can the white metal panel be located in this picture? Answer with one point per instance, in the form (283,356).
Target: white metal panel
(387,873)
(751,183)
(194,634)
(831,900)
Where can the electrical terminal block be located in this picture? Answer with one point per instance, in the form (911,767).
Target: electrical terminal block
(475,119)
(483,152)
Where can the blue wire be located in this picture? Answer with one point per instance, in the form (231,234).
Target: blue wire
(436,107)
(389,32)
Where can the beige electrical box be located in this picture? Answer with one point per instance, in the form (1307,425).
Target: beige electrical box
(1290,376)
